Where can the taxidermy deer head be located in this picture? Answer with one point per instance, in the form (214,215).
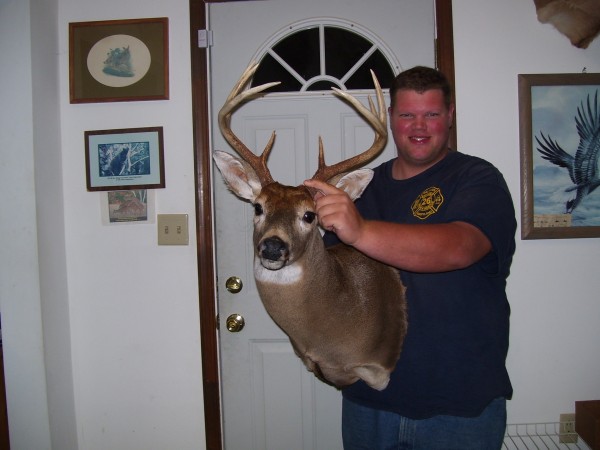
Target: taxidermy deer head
(344,313)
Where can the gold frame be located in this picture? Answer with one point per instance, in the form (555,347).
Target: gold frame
(87,48)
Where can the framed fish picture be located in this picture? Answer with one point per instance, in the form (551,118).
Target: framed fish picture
(559,121)
(119,60)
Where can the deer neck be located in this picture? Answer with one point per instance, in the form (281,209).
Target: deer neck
(293,294)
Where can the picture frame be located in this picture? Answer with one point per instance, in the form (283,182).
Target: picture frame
(119,60)
(559,114)
(124,159)
(131,207)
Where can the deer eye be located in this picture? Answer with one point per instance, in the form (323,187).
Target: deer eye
(309,217)
(258,209)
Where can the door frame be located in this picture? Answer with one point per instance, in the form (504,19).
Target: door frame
(204,195)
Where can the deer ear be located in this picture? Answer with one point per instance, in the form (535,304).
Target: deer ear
(354,183)
(238,175)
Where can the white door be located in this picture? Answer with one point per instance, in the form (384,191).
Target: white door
(270,401)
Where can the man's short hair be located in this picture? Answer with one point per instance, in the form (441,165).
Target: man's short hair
(421,79)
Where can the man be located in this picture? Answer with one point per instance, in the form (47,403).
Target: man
(447,222)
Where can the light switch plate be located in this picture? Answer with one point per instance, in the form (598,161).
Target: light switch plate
(172,229)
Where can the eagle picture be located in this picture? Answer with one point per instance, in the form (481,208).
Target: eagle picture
(581,163)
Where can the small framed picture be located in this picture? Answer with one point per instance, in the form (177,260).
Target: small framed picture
(119,60)
(127,207)
(559,119)
(124,159)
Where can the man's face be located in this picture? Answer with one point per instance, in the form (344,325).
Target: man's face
(420,124)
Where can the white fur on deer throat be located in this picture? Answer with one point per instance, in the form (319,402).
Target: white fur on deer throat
(286,275)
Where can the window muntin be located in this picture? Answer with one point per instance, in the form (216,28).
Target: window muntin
(316,57)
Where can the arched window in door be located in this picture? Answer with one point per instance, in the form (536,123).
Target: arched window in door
(317,55)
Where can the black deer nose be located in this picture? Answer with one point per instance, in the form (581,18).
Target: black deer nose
(272,248)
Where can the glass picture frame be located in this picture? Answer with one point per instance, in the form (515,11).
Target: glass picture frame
(559,120)
(124,159)
(119,60)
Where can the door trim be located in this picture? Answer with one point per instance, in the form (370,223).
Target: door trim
(203,185)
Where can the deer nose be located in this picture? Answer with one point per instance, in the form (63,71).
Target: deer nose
(272,248)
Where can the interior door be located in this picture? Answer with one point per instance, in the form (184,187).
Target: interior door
(269,400)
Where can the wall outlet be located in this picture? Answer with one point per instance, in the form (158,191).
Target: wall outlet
(566,432)
(172,229)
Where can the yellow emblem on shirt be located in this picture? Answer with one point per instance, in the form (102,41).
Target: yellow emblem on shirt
(427,203)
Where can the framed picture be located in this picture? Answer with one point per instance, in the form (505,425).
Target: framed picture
(127,207)
(124,159)
(119,60)
(559,119)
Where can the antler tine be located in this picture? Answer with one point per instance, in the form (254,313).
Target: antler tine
(236,97)
(376,117)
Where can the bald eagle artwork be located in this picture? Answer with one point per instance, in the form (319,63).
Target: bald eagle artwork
(582,163)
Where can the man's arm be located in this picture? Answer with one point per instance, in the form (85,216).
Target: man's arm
(411,247)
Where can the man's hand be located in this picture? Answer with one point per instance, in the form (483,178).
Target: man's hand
(336,211)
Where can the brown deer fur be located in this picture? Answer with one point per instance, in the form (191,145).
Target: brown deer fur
(345,313)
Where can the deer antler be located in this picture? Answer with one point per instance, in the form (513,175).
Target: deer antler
(234,100)
(377,118)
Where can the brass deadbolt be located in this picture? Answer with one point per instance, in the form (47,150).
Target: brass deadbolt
(234,284)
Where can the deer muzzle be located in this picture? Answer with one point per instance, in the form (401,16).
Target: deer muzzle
(273,253)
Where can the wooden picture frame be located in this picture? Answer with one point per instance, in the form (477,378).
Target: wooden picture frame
(124,159)
(559,121)
(119,60)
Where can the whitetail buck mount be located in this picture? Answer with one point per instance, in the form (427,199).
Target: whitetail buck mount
(345,314)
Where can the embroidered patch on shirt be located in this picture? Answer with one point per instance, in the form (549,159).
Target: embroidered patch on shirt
(427,203)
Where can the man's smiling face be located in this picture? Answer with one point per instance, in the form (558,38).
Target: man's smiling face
(420,124)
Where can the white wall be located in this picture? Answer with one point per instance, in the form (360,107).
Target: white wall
(133,304)
(20,299)
(101,315)
(553,288)
(108,321)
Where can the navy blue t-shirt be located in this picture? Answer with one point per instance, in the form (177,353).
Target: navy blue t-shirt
(453,357)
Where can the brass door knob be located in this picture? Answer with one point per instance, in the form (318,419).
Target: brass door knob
(235,323)
(234,284)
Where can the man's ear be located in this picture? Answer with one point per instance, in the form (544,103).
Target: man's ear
(451,115)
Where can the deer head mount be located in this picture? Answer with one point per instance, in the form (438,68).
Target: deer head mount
(345,314)
(579,20)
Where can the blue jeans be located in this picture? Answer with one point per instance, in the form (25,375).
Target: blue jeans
(371,429)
